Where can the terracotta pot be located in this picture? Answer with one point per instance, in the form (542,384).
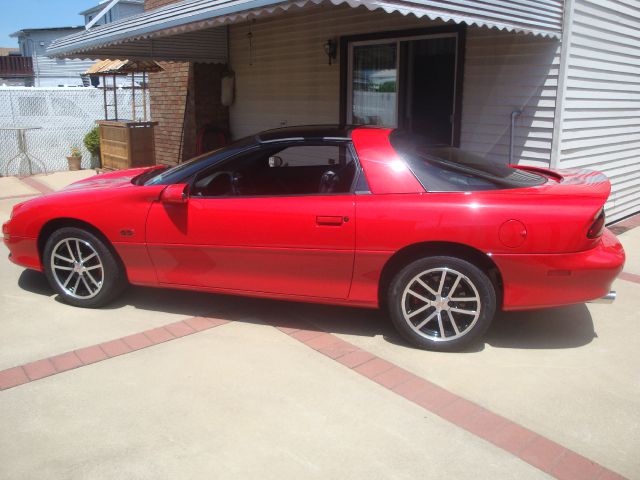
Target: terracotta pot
(74,163)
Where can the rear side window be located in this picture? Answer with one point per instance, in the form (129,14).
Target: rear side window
(449,169)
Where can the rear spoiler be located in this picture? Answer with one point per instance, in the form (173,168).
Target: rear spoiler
(539,170)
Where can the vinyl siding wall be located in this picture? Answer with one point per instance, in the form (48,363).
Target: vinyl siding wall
(287,79)
(51,71)
(601,110)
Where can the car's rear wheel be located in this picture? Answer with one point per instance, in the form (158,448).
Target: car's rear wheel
(441,303)
(82,268)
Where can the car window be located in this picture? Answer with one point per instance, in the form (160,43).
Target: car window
(306,156)
(281,170)
(444,168)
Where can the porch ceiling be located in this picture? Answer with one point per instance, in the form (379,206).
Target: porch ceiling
(195,29)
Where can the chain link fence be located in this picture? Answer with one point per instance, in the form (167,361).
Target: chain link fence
(60,118)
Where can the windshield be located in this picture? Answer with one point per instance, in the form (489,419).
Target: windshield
(445,168)
(184,170)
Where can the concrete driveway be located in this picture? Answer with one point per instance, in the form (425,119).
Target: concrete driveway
(170,384)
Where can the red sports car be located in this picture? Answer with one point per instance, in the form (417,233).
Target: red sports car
(355,216)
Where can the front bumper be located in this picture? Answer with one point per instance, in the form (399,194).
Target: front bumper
(23,251)
(551,280)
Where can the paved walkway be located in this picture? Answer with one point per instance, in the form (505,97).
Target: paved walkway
(169,384)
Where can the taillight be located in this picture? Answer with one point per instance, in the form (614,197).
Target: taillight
(597,228)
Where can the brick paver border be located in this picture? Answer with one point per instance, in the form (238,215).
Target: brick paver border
(538,451)
(629,277)
(33,183)
(81,357)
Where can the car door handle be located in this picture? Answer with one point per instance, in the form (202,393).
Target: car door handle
(330,220)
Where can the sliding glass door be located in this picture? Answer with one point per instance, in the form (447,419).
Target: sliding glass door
(405,82)
(374,81)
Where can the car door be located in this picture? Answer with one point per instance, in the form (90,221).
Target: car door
(260,223)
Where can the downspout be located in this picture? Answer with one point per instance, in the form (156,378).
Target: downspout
(561,89)
(515,114)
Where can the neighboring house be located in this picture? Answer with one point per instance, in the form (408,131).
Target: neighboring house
(120,9)
(547,83)
(51,72)
(15,70)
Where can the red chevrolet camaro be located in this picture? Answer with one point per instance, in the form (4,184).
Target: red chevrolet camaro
(355,216)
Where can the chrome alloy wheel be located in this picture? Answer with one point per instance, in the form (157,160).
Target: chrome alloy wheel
(77,268)
(441,304)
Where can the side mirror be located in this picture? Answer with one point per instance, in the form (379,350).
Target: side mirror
(175,194)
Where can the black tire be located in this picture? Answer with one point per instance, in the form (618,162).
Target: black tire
(101,269)
(415,310)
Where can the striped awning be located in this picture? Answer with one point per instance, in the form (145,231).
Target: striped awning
(195,29)
(122,67)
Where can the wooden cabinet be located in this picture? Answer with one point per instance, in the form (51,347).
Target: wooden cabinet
(126,144)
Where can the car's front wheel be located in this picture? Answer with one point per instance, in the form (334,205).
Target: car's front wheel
(82,268)
(441,303)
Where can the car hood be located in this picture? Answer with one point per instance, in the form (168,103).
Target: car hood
(111,179)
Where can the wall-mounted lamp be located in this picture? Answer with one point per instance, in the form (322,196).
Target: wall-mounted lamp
(330,48)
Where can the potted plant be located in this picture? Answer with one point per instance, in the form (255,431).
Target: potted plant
(75,158)
(92,144)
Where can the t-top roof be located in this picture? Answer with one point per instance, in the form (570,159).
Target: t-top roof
(306,132)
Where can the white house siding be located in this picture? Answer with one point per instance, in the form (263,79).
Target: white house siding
(601,111)
(290,82)
(51,72)
(505,72)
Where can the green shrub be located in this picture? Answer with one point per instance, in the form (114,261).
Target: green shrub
(92,141)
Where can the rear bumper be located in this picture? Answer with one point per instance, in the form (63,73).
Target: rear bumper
(550,280)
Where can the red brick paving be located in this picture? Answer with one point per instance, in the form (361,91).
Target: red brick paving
(20,375)
(512,437)
(115,348)
(355,358)
(530,447)
(89,355)
(33,183)
(630,277)
(137,341)
(573,467)
(304,335)
(542,453)
(39,369)
(12,377)
(66,361)
(373,367)
(158,335)
(392,378)
(179,329)
(203,323)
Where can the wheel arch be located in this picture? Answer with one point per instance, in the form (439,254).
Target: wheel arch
(415,251)
(64,222)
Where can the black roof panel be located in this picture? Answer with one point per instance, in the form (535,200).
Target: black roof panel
(306,132)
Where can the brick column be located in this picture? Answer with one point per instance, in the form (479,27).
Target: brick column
(184,98)
(168,92)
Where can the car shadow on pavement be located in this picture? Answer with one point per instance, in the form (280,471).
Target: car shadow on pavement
(556,328)
(551,328)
